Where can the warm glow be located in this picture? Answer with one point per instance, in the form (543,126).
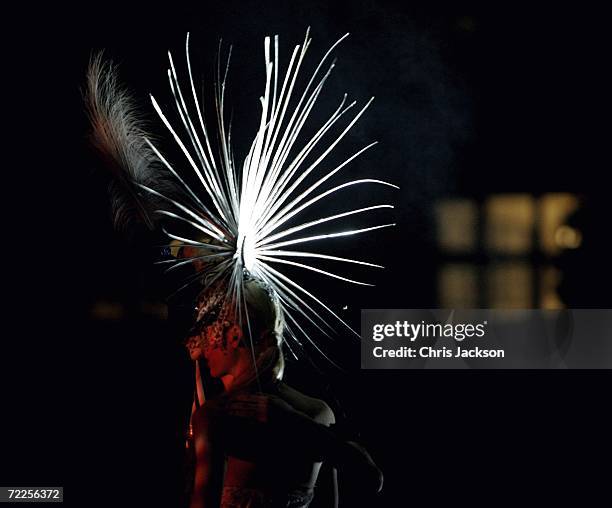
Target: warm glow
(550,278)
(554,212)
(567,237)
(458,286)
(501,262)
(457,224)
(510,286)
(510,220)
(155,310)
(107,311)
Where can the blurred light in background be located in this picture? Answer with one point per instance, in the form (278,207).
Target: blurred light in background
(550,278)
(107,311)
(554,210)
(457,221)
(509,285)
(103,310)
(567,238)
(154,310)
(500,251)
(458,286)
(509,223)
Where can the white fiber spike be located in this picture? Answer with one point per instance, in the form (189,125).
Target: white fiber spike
(236,211)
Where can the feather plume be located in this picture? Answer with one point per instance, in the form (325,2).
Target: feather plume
(119,136)
(251,206)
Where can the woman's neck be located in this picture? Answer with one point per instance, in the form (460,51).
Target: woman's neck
(243,376)
(228,381)
(241,370)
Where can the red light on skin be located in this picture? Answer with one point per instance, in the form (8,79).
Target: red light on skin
(193,252)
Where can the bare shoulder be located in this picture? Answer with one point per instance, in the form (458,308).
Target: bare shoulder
(316,409)
(203,417)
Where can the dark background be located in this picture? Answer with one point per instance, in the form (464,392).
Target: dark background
(469,101)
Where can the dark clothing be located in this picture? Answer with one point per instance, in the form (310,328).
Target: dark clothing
(240,497)
(285,443)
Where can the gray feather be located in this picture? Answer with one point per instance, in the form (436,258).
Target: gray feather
(119,136)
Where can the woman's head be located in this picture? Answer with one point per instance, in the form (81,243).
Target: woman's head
(229,337)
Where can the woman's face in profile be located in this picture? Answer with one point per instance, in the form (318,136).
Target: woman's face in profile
(216,355)
(217,347)
(194,348)
(206,337)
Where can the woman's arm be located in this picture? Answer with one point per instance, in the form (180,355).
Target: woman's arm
(208,480)
(335,486)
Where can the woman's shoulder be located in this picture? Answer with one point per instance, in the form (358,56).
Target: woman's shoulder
(316,409)
(259,406)
(208,413)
